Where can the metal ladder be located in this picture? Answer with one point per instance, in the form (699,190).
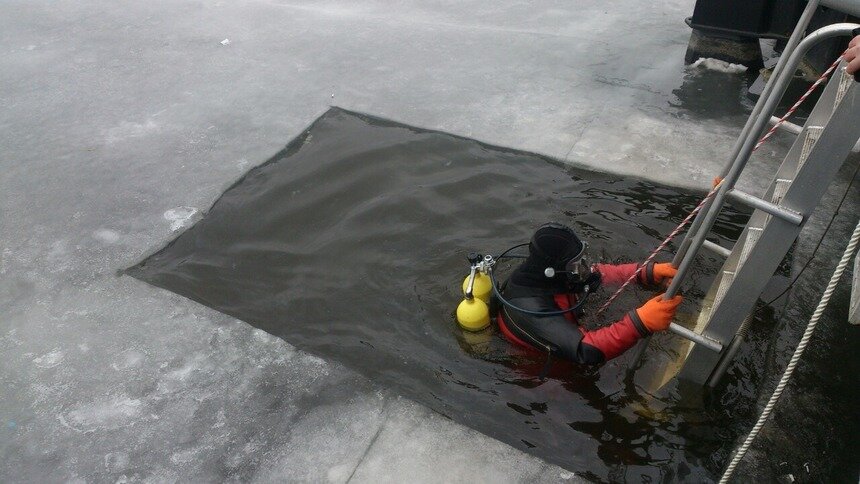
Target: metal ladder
(821,147)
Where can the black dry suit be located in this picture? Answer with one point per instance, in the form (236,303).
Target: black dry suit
(554,278)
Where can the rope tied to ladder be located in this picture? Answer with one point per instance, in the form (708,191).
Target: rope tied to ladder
(796,105)
(821,79)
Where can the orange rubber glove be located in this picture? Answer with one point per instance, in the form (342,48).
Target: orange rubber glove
(656,313)
(664,270)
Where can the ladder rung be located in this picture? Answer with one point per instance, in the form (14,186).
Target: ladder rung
(786,126)
(812,134)
(716,248)
(789,216)
(753,234)
(695,337)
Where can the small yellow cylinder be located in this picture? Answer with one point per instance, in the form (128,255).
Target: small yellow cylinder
(473,314)
(482,287)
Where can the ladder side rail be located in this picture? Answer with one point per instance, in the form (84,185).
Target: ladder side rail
(836,144)
(731,264)
(790,46)
(707,304)
(691,233)
(803,195)
(780,84)
(787,171)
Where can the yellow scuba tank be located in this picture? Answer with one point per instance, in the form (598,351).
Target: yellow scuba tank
(482,287)
(473,313)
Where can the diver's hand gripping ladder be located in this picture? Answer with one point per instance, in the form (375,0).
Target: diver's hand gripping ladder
(830,133)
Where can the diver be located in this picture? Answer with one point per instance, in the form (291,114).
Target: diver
(544,293)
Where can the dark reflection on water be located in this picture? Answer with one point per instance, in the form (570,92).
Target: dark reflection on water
(700,88)
(706,95)
(351,244)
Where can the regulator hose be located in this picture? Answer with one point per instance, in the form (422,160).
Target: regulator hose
(498,294)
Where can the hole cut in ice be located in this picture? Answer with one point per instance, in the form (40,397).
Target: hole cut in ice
(350,243)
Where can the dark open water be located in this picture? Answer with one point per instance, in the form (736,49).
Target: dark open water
(351,244)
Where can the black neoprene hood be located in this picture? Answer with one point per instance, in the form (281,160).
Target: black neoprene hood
(556,244)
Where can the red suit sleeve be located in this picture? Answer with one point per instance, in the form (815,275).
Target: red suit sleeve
(617,274)
(616,338)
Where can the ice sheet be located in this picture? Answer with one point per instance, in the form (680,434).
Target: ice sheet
(113,113)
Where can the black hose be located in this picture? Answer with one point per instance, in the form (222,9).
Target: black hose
(509,304)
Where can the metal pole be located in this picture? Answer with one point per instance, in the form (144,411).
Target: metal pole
(788,215)
(636,360)
(695,337)
(729,357)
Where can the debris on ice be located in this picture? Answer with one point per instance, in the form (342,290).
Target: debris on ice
(718,65)
(179,217)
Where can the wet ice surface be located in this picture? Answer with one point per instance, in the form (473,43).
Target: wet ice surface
(115,113)
(116,402)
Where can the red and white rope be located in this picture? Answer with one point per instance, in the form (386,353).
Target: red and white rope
(661,247)
(791,110)
(716,188)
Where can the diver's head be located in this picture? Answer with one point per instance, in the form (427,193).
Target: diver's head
(555,261)
(556,246)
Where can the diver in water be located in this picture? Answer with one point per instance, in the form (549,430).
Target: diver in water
(544,293)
